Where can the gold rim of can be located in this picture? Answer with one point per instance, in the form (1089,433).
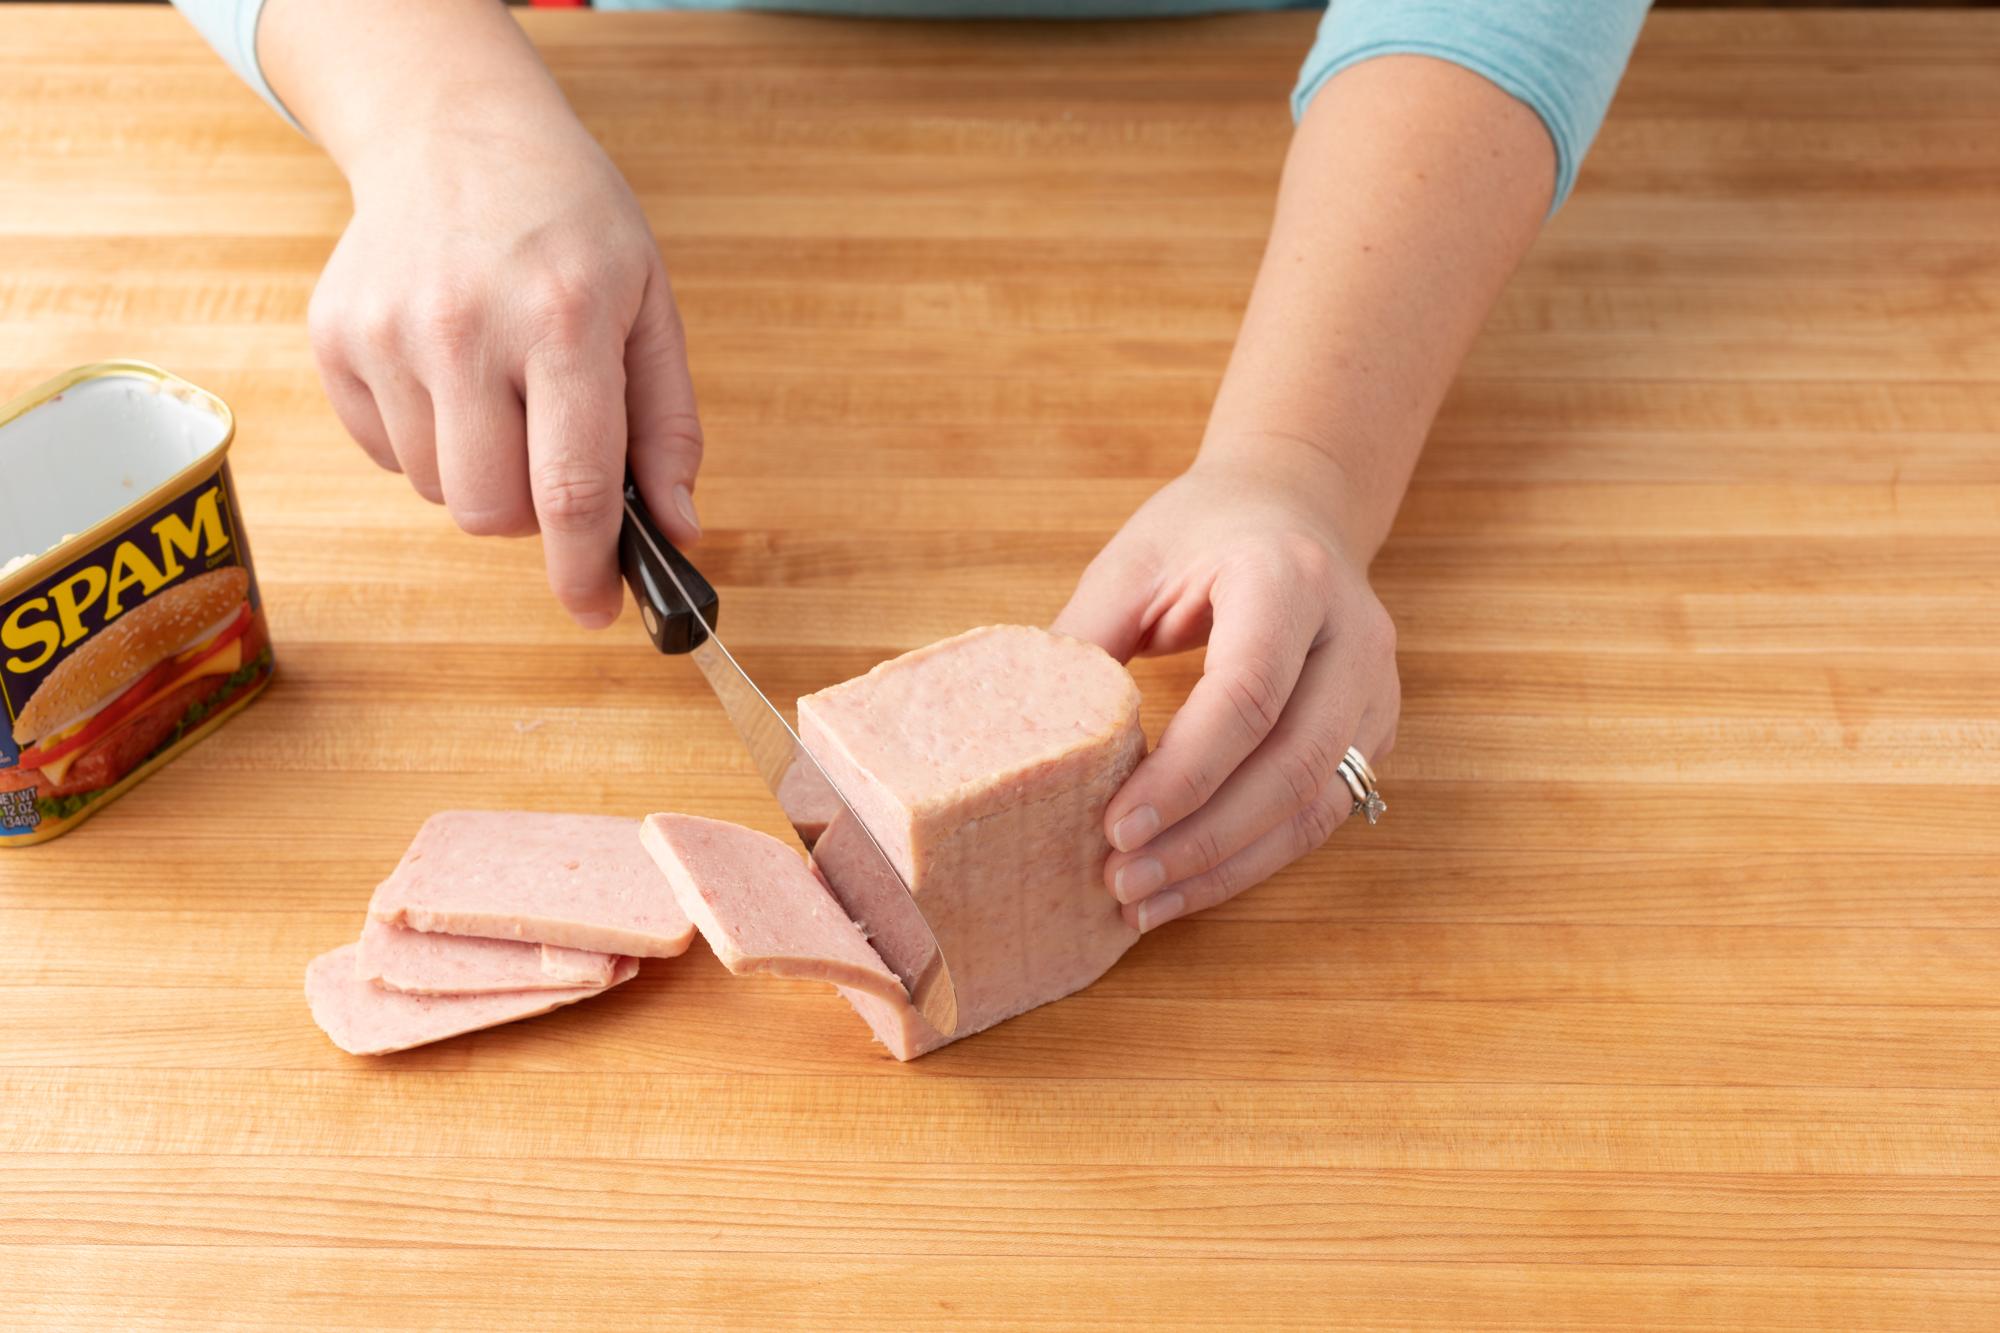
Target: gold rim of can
(122,517)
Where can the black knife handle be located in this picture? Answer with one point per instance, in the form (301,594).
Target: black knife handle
(670,620)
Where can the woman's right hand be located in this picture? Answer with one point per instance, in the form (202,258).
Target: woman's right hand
(496,324)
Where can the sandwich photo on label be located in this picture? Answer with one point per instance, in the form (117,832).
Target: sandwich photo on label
(136,686)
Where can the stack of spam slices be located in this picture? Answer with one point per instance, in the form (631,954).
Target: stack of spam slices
(491,917)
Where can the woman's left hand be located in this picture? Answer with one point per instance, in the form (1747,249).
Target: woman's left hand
(1242,551)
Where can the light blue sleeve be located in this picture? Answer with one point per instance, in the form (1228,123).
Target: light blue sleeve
(231,28)
(1563,58)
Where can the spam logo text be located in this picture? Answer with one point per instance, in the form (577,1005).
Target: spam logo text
(193,533)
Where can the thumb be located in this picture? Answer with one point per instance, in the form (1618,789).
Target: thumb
(666,440)
(1108,607)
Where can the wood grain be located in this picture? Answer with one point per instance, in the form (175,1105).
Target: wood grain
(154,1286)
(1666,997)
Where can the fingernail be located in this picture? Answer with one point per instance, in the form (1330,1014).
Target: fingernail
(1160,909)
(684,501)
(596,619)
(1136,829)
(1136,879)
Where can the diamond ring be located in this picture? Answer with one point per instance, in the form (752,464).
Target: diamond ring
(1360,780)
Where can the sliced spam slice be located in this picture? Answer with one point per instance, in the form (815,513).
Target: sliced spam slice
(760,906)
(578,881)
(363,1019)
(576,967)
(421,963)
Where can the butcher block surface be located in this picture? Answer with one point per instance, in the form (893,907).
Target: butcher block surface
(1666,995)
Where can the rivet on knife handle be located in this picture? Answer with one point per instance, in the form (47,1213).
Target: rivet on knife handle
(671,623)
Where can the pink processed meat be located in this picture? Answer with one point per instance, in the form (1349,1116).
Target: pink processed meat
(418,963)
(578,881)
(984,764)
(363,1019)
(808,801)
(577,967)
(760,906)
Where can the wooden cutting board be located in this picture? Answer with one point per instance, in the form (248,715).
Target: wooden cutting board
(1667,995)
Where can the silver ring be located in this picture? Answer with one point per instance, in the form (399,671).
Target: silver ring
(1361,784)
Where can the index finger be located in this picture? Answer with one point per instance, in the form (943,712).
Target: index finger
(1255,652)
(576,471)
(666,441)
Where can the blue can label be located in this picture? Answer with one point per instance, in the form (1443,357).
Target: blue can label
(120,657)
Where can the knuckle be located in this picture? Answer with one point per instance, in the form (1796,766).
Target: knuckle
(326,326)
(1256,696)
(1378,631)
(560,304)
(1194,787)
(445,318)
(1303,558)
(1261,565)
(573,496)
(1201,850)
(374,327)
(1317,821)
(1307,767)
(683,435)
(674,441)
(1227,880)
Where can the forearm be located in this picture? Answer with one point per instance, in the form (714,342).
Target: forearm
(1412,189)
(365,76)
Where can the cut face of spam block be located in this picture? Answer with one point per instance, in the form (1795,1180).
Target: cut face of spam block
(983,764)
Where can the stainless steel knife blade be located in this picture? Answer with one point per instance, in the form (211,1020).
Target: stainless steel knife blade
(680,610)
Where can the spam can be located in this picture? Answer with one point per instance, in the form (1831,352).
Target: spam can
(130,621)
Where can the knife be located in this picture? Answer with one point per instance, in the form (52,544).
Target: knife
(680,609)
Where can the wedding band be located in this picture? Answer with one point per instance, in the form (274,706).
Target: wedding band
(1360,780)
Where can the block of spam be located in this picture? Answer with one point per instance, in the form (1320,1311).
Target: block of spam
(983,764)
